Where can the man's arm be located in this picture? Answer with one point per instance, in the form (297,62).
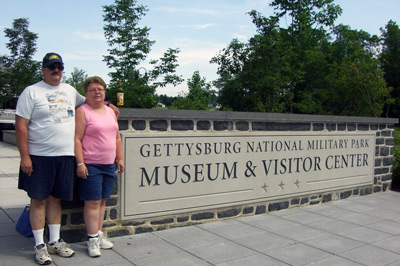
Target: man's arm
(21,128)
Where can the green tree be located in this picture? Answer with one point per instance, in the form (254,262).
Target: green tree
(77,80)
(199,96)
(390,60)
(18,69)
(167,100)
(355,84)
(129,46)
(264,74)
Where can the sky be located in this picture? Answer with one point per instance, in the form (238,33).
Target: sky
(199,28)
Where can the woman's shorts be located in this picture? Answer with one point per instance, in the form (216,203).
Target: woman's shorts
(98,184)
(52,175)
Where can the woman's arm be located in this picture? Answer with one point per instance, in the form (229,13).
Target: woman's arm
(119,153)
(80,126)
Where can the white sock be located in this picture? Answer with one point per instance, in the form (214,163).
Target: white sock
(100,233)
(38,235)
(54,232)
(93,235)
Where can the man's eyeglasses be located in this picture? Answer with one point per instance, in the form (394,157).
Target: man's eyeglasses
(96,90)
(59,67)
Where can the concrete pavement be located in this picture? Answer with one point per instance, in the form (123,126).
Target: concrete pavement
(356,231)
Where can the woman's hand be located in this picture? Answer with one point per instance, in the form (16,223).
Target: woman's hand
(121,166)
(82,171)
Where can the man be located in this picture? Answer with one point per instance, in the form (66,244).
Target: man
(45,127)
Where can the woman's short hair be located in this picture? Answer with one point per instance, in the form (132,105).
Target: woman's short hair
(94,79)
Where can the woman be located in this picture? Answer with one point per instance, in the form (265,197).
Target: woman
(97,148)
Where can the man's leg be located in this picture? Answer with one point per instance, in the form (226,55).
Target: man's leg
(37,217)
(53,214)
(56,244)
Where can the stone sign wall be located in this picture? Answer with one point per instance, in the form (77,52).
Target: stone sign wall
(178,173)
(188,167)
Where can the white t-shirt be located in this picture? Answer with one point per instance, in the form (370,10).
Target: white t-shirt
(51,114)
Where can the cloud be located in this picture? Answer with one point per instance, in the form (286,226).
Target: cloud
(204,26)
(240,37)
(188,10)
(94,36)
(200,26)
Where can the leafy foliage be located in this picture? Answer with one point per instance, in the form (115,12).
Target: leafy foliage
(129,46)
(199,96)
(18,69)
(303,68)
(390,60)
(77,80)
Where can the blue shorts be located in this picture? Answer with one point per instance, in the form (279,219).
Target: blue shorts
(52,175)
(98,184)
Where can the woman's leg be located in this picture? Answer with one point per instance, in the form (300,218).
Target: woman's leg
(91,214)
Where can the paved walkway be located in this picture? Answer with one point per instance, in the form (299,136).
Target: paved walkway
(356,231)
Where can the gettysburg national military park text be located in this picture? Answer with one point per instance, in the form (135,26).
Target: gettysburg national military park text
(217,159)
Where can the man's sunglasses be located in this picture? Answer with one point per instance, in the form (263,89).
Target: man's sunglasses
(52,67)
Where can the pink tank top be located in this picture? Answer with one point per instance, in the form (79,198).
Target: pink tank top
(99,139)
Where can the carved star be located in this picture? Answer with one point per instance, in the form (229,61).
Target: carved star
(297,183)
(282,185)
(265,187)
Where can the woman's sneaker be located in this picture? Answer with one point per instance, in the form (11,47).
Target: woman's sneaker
(61,248)
(94,247)
(104,242)
(41,255)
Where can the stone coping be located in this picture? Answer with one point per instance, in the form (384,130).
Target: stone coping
(135,113)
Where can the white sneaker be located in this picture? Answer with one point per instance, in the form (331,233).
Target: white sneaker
(61,248)
(94,247)
(104,242)
(41,255)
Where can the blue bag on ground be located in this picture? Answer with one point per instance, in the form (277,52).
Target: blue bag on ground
(24,224)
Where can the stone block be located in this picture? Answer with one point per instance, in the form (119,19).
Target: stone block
(162,221)
(242,126)
(319,126)
(223,125)
(341,127)
(77,218)
(327,198)
(182,219)
(260,209)
(159,125)
(363,127)
(140,230)
(248,210)
(278,206)
(203,125)
(123,124)
(118,232)
(351,127)
(139,125)
(295,201)
(111,202)
(203,216)
(182,125)
(113,214)
(332,127)
(228,213)
(74,235)
(345,194)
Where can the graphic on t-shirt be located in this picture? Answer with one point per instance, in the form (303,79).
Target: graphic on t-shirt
(60,107)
